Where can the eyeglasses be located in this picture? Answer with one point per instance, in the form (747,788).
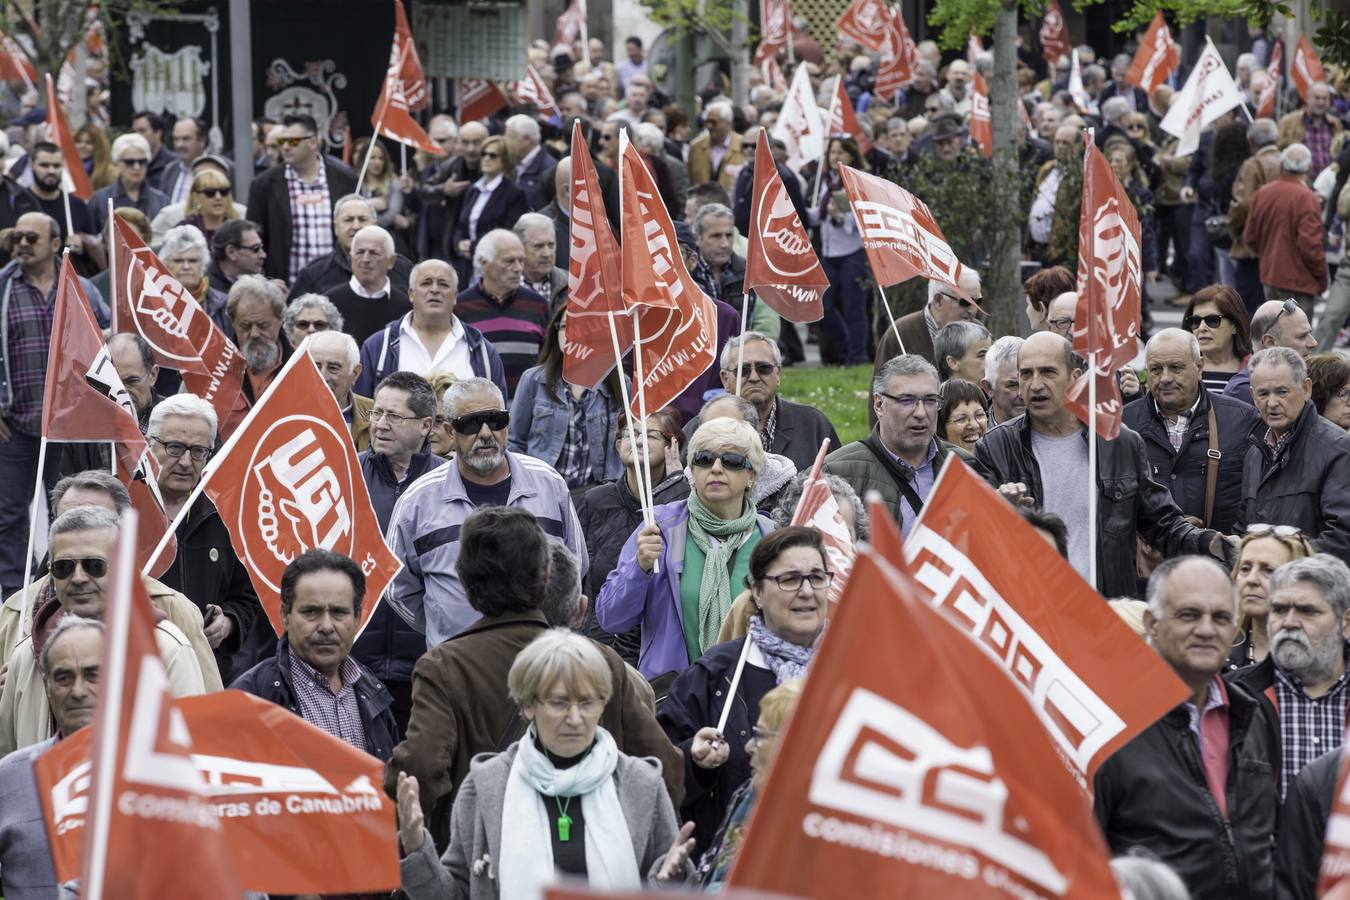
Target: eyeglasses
(494,419)
(762,369)
(214,192)
(1213,320)
(1282,531)
(588,708)
(94,567)
(26,237)
(393,418)
(491,154)
(293,141)
(1061,324)
(907,402)
(705,459)
(251,248)
(176,449)
(134,163)
(965,419)
(653,437)
(819,579)
(311,325)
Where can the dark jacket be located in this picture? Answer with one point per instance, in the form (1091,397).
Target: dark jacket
(1185,472)
(743,195)
(536,180)
(379,357)
(363,316)
(1308,486)
(857,464)
(335,270)
(461,709)
(384,487)
(1151,794)
(797,433)
(506,204)
(1303,828)
(1129,502)
(269,205)
(271,680)
(695,701)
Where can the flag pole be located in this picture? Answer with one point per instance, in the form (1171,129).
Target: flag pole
(885,304)
(735,683)
(1092,468)
(365,163)
(628,406)
(740,350)
(825,153)
(642,410)
(70,223)
(38,497)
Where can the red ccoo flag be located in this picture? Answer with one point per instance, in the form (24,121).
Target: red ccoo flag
(1156,59)
(594,281)
(74,179)
(817,508)
(1106,322)
(531,90)
(775,26)
(391,116)
(479,99)
(1305,68)
(899,55)
(1054,38)
(1265,104)
(981,126)
(899,232)
(147,808)
(781,266)
(288,480)
(866,22)
(916,774)
(843,120)
(412,80)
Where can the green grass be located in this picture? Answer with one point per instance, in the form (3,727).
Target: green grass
(840,393)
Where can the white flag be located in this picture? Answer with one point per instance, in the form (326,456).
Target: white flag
(800,125)
(1080,95)
(1209,92)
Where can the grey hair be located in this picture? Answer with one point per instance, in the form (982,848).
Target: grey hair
(1274,356)
(1093,73)
(469,387)
(649,138)
(1001,352)
(1157,582)
(954,339)
(562,591)
(348,345)
(1296,159)
(1173,334)
(84,518)
(259,287)
(523,126)
(386,239)
(189,405)
(1323,571)
(185,237)
(1263,133)
(945,103)
(710,211)
(743,406)
(1114,108)
(312,301)
(454,276)
(129,141)
(723,108)
(489,246)
(904,365)
(144,348)
(791,495)
(67,623)
(92,480)
(1148,879)
(350,198)
(731,351)
(531,220)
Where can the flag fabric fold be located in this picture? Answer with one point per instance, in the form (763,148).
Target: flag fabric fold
(817,508)
(532,91)
(74,179)
(1265,104)
(781,266)
(1305,68)
(392,116)
(981,125)
(899,56)
(1054,38)
(800,126)
(1208,93)
(843,119)
(864,21)
(478,99)
(775,26)
(1156,59)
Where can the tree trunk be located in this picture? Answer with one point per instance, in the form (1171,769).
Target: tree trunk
(1002,282)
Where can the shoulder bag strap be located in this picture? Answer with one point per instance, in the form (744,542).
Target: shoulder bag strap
(896,473)
(1212,469)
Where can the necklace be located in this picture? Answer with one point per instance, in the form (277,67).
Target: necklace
(564,820)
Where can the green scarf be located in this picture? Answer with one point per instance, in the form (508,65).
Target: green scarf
(714,591)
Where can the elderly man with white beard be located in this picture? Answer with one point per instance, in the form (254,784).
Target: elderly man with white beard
(1303,681)
(255,307)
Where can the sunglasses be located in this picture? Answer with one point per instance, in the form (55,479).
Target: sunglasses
(293,141)
(1213,320)
(494,419)
(26,237)
(251,248)
(490,154)
(134,163)
(1289,306)
(1283,531)
(214,192)
(762,369)
(94,567)
(704,459)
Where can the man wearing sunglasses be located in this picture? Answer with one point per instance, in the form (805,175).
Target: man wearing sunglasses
(424,530)
(83,540)
(1276,323)
(131,158)
(236,249)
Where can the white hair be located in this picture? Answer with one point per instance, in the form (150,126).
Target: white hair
(386,239)
(531,220)
(469,387)
(129,141)
(710,211)
(723,109)
(649,138)
(348,344)
(454,276)
(1001,352)
(523,126)
(490,246)
(1296,159)
(184,237)
(351,198)
(189,405)
(730,352)
(715,434)
(1115,108)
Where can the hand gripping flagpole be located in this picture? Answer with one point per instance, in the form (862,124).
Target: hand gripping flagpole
(735,683)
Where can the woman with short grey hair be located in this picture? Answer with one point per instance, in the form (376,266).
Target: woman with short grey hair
(185,253)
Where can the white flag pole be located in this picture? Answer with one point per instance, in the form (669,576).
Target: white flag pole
(735,683)
(1092,468)
(825,153)
(740,350)
(39,500)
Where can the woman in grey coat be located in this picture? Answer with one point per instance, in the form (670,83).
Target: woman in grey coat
(572,804)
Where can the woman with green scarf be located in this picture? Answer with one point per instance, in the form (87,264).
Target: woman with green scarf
(679,576)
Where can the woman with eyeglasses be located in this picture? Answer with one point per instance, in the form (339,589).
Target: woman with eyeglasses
(678,576)
(1330,376)
(962,418)
(789,587)
(209,204)
(441,441)
(185,254)
(564,424)
(493,201)
(1264,549)
(561,802)
(1217,317)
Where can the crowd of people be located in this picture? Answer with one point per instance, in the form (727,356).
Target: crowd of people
(551,663)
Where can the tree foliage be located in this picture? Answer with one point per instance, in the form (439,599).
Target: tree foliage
(55,27)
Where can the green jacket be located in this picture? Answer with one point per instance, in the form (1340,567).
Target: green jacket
(859,466)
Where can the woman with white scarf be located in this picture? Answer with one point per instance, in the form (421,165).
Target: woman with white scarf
(562,802)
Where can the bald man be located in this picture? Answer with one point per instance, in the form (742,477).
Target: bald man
(1276,323)
(369,300)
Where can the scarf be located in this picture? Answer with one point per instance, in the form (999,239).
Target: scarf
(529,822)
(714,591)
(786,659)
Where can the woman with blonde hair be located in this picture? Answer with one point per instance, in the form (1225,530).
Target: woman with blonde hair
(209,203)
(441,441)
(381,187)
(95,151)
(1264,549)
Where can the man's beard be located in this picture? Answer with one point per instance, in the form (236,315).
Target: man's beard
(483,464)
(48,185)
(1297,655)
(261,353)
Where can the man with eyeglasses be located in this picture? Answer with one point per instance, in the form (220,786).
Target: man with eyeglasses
(182,433)
(1297,467)
(310,314)
(293,203)
(1041,459)
(370,300)
(131,158)
(424,529)
(351,215)
(338,360)
(83,541)
(236,249)
(1276,323)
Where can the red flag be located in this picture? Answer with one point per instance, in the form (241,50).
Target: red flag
(74,179)
(347,145)
(899,232)
(916,774)
(780,265)
(412,81)
(677,331)
(14,63)
(149,301)
(817,508)
(1106,322)
(1334,880)
(1265,104)
(276,779)
(899,56)
(1054,38)
(981,126)
(865,21)
(140,474)
(843,120)
(147,806)
(1305,68)
(775,21)
(391,116)
(531,90)
(570,24)
(773,74)
(288,480)
(479,99)
(594,282)
(1092,682)
(1156,59)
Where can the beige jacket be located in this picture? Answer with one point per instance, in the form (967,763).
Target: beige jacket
(1256,172)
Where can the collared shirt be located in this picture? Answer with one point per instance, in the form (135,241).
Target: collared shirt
(1309,726)
(451,356)
(1176,431)
(543,287)
(1317,137)
(1276,444)
(311,219)
(29,323)
(359,291)
(922,482)
(573,464)
(485,189)
(1210,727)
(718,151)
(770,425)
(338,714)
(529,158)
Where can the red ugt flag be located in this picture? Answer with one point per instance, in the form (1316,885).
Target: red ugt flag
(1156,59)
(391,116)
(1054,38)
(981,126)
(73,177)
(1305,68)
(412,80)
(865,21)
(781,266)
(532,90)
(478,99)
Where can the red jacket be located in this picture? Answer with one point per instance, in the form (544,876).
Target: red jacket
(1284,228)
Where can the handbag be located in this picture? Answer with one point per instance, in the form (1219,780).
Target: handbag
(1216,229)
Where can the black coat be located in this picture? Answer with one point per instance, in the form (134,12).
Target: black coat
(536,180)
(506,204)
(269,205)
(1184,472)
(695,701)
(797,434)
(1303,828)
(1308,486)
(364,316)
(1129,501)
(743,193)
(335,270)
(271,680)
(1152,795)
